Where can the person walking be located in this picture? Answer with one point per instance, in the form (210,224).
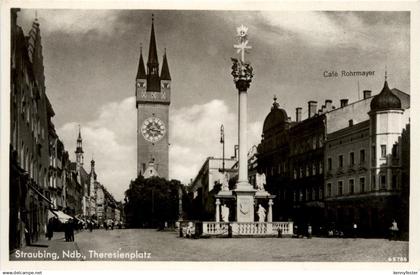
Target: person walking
(393,230)
(354,230)
(50,225)
(71,230)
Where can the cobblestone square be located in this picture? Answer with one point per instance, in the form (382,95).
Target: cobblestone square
(152,245)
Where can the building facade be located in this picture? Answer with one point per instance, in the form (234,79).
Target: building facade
(367,178)
(29,139)
(153,97)
(342,167)
(291,156)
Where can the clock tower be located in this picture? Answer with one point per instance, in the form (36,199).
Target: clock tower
(153,97)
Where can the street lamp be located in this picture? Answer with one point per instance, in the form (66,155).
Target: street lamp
(222,140)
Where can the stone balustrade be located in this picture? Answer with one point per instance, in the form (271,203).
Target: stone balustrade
(247,228)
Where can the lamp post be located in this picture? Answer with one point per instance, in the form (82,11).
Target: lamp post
(222,141)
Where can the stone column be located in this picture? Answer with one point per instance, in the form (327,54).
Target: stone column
(270,210)
(217,210)
(242,137)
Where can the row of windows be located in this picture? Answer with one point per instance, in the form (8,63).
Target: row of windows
(309,144)
(361,187)
(352,161)
(303,171)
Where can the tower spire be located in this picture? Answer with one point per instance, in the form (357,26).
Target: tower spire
(79,149)
(165,75)
(153,82)
(141,73)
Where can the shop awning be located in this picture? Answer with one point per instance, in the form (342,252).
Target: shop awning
(63,217)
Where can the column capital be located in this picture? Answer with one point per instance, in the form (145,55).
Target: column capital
(242,85)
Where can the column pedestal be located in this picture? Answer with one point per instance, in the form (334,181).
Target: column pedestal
(245,205)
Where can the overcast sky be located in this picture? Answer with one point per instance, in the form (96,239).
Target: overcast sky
(91,59)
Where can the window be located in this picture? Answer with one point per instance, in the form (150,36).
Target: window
(321,193)
(307,171)
(383,182)
(294,174)
(351,188)
(320,140)
(362,185)
(394,182)
(313,142)
(352,158)
(362,156)
(340,188)
(320,167)
(351,122)
(313,169)
(340,161)
(329,190)
(329,164)
(383,150)
(313,193)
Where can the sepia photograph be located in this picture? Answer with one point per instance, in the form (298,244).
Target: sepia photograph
(202,135)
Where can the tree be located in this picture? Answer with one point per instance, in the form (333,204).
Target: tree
(152,202)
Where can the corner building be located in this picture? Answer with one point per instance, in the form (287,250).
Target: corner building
(367,164)
(153,97)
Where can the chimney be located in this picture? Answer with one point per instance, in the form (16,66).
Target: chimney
(328,105)
(311,108)
(323,108)
(367,94)
(298,114)
(344,102)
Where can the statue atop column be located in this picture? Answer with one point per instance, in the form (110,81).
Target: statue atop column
(261,213)
(242,71)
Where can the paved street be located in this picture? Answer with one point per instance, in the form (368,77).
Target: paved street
(153,245)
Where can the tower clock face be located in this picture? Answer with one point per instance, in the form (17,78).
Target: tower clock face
(153,129)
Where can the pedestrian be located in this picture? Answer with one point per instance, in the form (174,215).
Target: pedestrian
(66,231)
(354,230)
(71,230)
(50,228)
(393,230)
(309,233)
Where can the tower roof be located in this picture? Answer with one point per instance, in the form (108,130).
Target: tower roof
(79,138)
(385,100)
(275,118)
(141,73)
(153,58)
(165,75)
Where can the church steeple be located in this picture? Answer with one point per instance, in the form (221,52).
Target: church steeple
(165,75)
(153,81)
(79,149)
(92,169)
(141,73)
